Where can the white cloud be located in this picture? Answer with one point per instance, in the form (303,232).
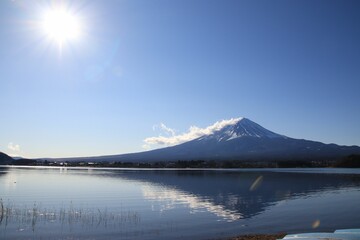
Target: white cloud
(193,133)
(146,147)
(164,128)
(13,147)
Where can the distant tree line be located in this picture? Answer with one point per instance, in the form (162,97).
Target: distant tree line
(352,161)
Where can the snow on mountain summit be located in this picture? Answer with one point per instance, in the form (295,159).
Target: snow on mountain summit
(243,127)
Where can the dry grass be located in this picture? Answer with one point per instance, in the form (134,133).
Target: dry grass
(32,216)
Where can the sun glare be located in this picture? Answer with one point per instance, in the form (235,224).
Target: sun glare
(61,26)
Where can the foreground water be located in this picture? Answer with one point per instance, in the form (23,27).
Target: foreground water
(81,203)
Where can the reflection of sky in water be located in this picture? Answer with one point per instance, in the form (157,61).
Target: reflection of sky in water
(61,185)
(168,204)
(10,181)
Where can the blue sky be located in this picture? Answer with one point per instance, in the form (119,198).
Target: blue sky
(291,66)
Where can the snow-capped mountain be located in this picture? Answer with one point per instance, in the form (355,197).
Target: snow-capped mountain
(243,139)
(242,128)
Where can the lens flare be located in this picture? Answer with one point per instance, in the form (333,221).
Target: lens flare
(256,183)
(61,25)
(316,224)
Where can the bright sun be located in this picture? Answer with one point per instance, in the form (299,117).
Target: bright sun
(61,25)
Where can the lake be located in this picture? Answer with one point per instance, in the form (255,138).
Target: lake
(89,203)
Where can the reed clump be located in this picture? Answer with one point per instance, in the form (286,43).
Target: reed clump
(64,216)
(2,210)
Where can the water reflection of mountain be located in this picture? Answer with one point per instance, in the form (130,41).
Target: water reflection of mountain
(239,194)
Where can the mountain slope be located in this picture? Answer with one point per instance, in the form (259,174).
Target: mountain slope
(243,140)
(5,159)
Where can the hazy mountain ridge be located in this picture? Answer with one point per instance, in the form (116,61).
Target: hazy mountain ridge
(244,140)
(5,159)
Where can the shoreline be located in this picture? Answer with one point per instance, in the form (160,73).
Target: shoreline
(258,237)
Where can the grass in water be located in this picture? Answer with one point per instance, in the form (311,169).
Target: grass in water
(25,216)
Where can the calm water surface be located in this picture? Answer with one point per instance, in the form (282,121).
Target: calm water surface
(81,203)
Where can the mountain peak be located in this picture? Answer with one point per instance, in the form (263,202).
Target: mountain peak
(241,127)
(246,127)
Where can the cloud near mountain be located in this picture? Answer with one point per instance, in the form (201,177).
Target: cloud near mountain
(164,128)
(13,147)
(236,139)
(193,133)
